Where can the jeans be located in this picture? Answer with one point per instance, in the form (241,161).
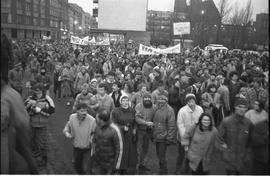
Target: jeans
(142,146)
(39,142)
(81,160)
(161,149)
(180,157)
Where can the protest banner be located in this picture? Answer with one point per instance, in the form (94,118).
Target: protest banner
(146,50)
(181,28)
(46,38)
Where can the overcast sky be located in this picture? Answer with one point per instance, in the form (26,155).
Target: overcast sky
(260,6)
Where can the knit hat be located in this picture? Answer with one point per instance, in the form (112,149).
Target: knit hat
(241,101)
(93,80)
(190,96)
(123,96)
(163,96)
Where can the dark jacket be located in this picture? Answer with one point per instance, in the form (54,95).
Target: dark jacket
(164,125)
(260,142)
(107,146)
(39,119)
(236,132)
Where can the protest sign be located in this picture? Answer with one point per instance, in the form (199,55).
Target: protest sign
(146,50)
(181,28)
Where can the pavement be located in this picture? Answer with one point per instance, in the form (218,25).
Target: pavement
(60,148)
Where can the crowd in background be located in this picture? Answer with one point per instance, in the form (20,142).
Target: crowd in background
(122,101)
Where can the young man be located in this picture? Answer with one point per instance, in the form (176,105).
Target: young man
(164,130)
(187,116)
(39,106)
(236,127)
(107,148)
(80,128)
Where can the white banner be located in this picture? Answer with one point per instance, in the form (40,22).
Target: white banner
(181,28)
(46,38)
(146,50)
(85,41)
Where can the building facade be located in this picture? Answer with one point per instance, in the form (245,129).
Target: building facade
(76,19)
(262,27)
(32,18)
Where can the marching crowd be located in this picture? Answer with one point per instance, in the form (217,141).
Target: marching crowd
(122,101)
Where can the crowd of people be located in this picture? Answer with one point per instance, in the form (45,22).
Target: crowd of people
(122,101)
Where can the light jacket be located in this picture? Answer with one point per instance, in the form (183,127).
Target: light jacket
(81,131)
(186,118)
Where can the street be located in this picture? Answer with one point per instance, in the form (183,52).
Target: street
(60,148)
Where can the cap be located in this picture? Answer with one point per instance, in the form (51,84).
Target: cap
(163,96)
(190,96)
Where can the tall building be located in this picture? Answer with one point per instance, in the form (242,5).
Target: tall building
(159,24)
(32,18)
(262,26)
(76,19)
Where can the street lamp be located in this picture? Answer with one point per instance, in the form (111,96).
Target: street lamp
(202,12)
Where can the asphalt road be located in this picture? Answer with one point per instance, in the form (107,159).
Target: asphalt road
(60,148)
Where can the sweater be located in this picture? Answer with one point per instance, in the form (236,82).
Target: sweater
(81,131)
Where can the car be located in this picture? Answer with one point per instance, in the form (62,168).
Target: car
(216,48)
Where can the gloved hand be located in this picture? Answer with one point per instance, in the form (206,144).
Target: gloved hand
(37,109)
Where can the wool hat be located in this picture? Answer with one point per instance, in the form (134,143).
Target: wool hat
(241,101)
(163,95)
(190,96)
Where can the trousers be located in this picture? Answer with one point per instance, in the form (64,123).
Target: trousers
(161,149)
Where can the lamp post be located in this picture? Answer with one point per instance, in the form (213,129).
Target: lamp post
(74,27)
(202,16)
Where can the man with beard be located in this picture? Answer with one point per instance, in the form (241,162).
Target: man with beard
(144,117)
(164,130)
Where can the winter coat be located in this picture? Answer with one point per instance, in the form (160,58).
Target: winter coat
(144,115)
(224,97)
(260,142)
(116,100)
(39,119)
(80,80)
(107,150)
(253,95)
(236,133)
(126,117)
(186,118)
(104,102)
(81,131)
(155,95)
(87,99)
(201,145)
(164,124)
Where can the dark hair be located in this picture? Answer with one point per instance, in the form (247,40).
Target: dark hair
(233,73)
(103,114)
(102,85)
(81,106)
(142,85)
(130,86)
(211,86)
(211,121)
(119,85)
(261,104)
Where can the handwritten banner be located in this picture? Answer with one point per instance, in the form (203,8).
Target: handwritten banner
(146,50)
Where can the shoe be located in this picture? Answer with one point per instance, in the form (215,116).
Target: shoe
(143,167)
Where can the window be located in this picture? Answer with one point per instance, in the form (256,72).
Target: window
(27,6)
(19,5)
(19,19)
(28,20)
(5,3)
(35,21)
(4,17)
(42,22)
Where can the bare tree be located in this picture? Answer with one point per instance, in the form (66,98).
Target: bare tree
(224,9)
(239,19)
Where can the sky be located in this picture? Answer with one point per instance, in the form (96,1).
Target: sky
(260,6)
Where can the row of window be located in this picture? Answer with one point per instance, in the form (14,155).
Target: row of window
(20,19)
